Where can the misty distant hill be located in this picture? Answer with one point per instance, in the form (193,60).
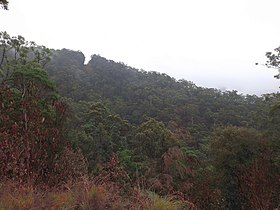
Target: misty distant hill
(135,93)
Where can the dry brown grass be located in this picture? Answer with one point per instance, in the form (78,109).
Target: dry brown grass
(79,195)
(83,194)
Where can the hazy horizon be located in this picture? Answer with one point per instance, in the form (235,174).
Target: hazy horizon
(213,44)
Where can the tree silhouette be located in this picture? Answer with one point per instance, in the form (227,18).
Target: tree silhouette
(4,4)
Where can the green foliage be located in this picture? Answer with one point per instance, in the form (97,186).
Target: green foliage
(21,65)
(234,150)
(152,139)
(134,93)
(129,161)
(179,113)
(134,129)
(32,142)
(274,60)
(66,68)
(100,133)
(234,144)
(32,71)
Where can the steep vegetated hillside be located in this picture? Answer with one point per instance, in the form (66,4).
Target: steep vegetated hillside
(134,94)
(115,134)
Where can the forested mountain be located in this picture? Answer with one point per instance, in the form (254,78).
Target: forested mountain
(134,93)
(130,132)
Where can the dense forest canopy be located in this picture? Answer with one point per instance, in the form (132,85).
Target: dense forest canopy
(128,130)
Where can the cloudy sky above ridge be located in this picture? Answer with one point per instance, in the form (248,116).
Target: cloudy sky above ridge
(212,43)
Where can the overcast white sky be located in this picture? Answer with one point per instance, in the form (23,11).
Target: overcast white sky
(212,43)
